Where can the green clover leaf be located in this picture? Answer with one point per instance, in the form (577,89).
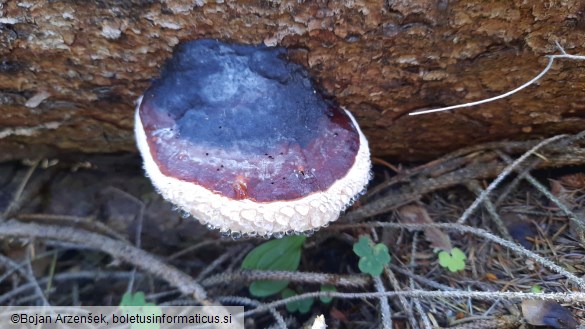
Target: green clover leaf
(454,261)
(363,247)
(134,304)
(324,288)
(373,258)
(303,306)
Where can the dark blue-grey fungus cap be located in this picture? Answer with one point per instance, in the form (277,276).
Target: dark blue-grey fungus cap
(238,137)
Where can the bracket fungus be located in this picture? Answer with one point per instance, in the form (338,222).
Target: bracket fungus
(237,137)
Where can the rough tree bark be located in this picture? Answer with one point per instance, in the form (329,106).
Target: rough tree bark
(71,70)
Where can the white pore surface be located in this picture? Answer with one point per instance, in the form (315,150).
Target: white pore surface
(245,216)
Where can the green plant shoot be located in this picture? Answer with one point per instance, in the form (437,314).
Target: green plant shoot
(276,255)
(536,289)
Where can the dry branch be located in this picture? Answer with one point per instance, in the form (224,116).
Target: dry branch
(473,163)
(246,276)
(117,249)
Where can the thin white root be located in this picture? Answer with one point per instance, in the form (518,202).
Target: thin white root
(551,59)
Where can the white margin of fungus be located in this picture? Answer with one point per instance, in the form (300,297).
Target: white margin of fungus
(245,216)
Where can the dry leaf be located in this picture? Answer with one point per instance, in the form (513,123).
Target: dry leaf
(547,313)
(491,276)
(574,181)
(338,315)
(413,214)
(521,229)
(563,192)
(24,252)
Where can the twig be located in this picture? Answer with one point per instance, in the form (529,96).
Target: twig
(421,279)
(405,305)
(250,302)
(423,315)
(578,220)
(420,186)
(128,253)
(416,301)
(180,302)
(157,295)
(479,232)
(193,248)
(478,162)
(38,291)
(52,272)
(218,261)
(384,306)
(246,276)
(243,251)
(138,242)
(24,270)
(90,223)
(473,185)
(18,194)
(82,275)
(572,297)
(551,59)
(11,267)
(501,177)
(139,217)
(138,231)
(510,187)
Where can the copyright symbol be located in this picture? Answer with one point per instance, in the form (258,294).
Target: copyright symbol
(15,318)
